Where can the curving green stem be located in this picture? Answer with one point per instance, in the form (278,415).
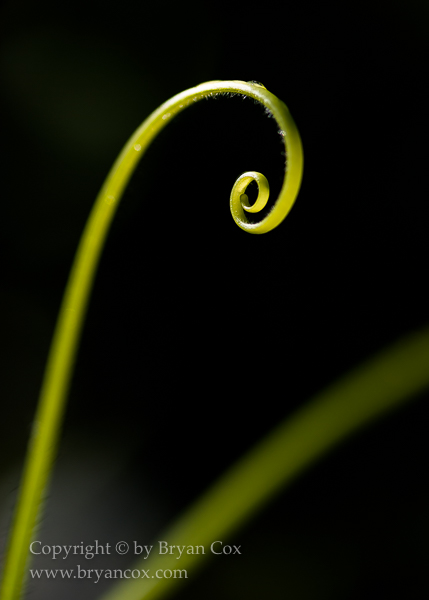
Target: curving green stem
(47,423)
(363,395)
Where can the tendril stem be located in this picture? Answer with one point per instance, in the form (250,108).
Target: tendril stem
(52,400)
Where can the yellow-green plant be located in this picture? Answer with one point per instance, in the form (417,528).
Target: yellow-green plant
(382,383)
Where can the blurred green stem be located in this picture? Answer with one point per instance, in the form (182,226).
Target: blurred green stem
(368,392)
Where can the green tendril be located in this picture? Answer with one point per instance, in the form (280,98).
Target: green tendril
(50,411)
(368,392)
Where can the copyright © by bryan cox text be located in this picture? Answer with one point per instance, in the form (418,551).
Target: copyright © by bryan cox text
(88,551)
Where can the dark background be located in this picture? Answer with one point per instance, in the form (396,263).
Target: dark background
(200,337)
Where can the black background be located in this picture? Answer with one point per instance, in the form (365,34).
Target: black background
(200,337)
